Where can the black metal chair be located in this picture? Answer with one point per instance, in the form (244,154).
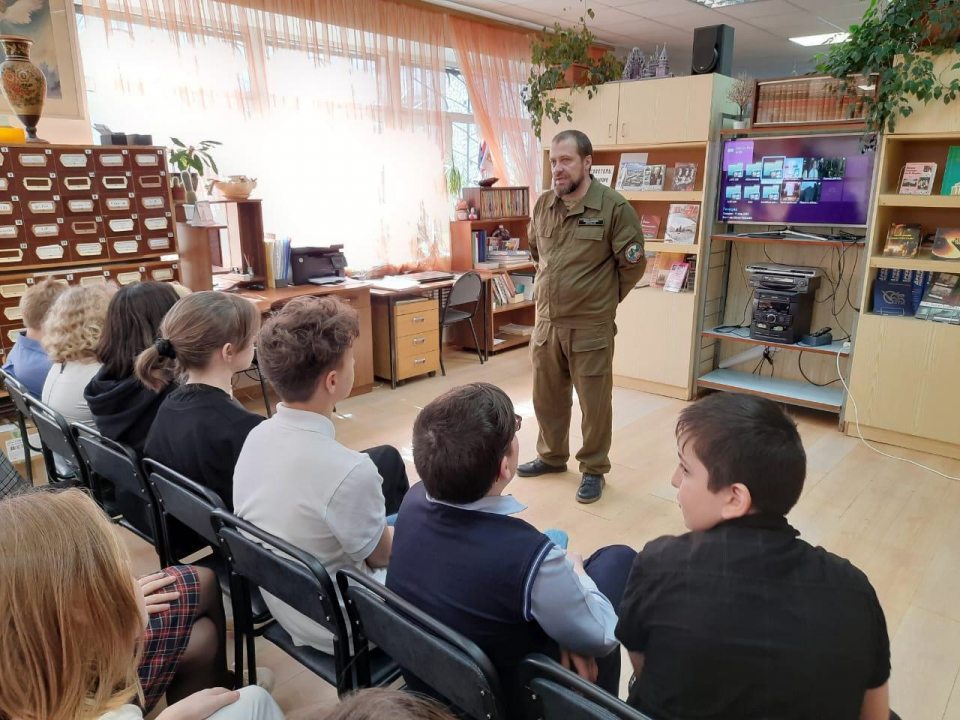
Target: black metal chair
(117,464)
(58,441)
(255,366)
(552,692)
(444,660)
(467,289)
(17,392)
(297,578)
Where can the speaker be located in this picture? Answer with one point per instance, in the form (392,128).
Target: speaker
(712,50)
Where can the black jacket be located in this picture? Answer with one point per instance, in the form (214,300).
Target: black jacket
(123,408)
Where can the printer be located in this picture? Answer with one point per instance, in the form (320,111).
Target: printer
(317,265)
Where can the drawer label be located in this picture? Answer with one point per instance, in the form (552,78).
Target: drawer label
(73,160)
(51,230)
(50,252)
(12,313)
(33,160)
(13,290)
(40,207)
(157,223)
(162,274)
(8,231)
(125,247)
(89,249)
(6,208)
(152,202)
(125,278)
(145,160)
(93,280)
(111,160)
(158,243)
(118,203)
(122,225)
(80,205)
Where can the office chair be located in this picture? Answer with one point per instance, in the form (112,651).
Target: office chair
(467,289)
(17,391)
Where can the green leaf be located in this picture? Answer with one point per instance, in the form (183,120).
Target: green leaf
(177,142)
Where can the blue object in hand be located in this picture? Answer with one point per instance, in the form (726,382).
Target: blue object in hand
(558,536)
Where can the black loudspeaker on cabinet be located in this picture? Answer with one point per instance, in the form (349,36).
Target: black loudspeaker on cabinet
(712,50)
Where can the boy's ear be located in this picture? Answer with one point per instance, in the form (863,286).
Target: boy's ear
(739,502)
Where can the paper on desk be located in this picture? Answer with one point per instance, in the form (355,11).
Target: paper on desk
(394,282)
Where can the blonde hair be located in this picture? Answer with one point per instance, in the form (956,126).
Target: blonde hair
(36,302)
(75,323)
(198,326)
(72,621)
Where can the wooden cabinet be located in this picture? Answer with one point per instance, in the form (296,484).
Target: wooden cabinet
(407,333)
(596,116)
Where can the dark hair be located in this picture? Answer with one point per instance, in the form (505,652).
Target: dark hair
(305,340)
(750,440)
(196,327)
(584,146)
(383,704)
(133,321)
(460,439)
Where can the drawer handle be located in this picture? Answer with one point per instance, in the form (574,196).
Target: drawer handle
(419,341)
(418,319)
(419,361)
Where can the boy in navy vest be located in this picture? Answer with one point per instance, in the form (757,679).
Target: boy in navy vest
(459,556)
(740,619)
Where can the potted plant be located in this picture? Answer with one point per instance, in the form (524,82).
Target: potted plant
(455,183)
(565,58)
(189,161)
(896,40)
(741,95)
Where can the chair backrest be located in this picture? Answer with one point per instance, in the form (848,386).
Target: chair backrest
(440,657)
(465,290)
(56,437)
(184,499)
(552,692)
(290,574)
(17,391)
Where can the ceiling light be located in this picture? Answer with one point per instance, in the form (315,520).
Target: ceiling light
(714,4)
(828,39)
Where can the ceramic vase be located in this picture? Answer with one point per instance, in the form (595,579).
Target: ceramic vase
(23,83)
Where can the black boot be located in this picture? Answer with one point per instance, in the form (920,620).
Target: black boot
(539,467)
(591,488)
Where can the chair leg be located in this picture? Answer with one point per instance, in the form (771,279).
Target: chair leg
(263,389)
(21,421)
(476,343)
(443,370)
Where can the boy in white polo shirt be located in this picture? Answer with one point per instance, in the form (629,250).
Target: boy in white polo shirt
(293,478)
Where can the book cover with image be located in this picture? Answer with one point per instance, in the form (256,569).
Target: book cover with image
(903,240)
(651,226)
(676,276)
(682,224)
(630,174)
(684,176)
(941,301)
(918,178)
(951,172)
(653,176)
(603,174)
(946,246)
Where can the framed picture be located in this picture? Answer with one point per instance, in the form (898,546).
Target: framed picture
(52,26)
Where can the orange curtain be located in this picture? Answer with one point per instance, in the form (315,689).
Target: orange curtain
(496,63)
(336,106)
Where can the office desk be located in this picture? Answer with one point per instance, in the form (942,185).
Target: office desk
(356,294)
(390,299)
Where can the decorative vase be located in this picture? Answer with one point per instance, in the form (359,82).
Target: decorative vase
(236,187)
(23,83)
(741,124)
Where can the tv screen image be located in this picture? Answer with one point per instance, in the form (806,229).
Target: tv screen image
(815,180)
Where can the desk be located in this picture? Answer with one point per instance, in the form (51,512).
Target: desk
(391,297)
(356,294)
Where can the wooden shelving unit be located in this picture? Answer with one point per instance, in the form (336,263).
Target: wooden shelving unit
(791,392)
(794,242)
(900,368)
(743,335)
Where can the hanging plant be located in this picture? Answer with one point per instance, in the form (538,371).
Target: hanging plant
(898,40)
(562,58)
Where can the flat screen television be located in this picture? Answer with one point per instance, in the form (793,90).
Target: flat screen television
(813,180)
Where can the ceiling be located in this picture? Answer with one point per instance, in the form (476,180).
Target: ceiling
(761,29)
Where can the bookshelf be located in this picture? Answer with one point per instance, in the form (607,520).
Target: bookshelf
(461,260)
(903,376)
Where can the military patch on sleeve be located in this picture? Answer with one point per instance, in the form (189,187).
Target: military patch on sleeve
(633,253)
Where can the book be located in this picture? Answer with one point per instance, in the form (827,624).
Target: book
(516,329)
(603,174)
(630,173)
(903,240)
(918,178)
(651,226)
(946,246)
(649,269)
(684,176)
(941,301)
(682,224)
(653,176)
(676,276)
(951,172)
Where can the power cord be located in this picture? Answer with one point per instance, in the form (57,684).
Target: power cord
(800,365)
(856,415)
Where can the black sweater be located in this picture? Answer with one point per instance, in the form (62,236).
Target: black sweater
(123,408)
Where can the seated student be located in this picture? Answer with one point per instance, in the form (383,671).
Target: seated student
(739,618)
(122,407)
(293,478)
(28,361)
(84,641)
(70,336)
(459,556)
(199,430)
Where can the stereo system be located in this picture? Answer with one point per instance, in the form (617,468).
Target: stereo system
(782,301)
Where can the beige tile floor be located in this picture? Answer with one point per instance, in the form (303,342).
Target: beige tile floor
(896,522)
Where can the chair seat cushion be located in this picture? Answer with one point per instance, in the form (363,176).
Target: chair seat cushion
(454,316)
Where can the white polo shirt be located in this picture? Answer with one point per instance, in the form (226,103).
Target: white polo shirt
(295,481)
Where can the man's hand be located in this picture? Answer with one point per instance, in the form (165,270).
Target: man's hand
(577,560)
(585,667)
(200,705)
(149,584)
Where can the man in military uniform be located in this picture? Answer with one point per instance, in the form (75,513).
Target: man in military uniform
(588,246)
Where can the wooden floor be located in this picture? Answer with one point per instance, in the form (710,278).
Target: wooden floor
(896,522)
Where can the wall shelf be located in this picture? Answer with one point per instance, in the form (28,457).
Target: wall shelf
(792,392)
(670,196)
(743,335)
(924,261)
(921,201)
(797,242)
(513,306)
(669,247)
